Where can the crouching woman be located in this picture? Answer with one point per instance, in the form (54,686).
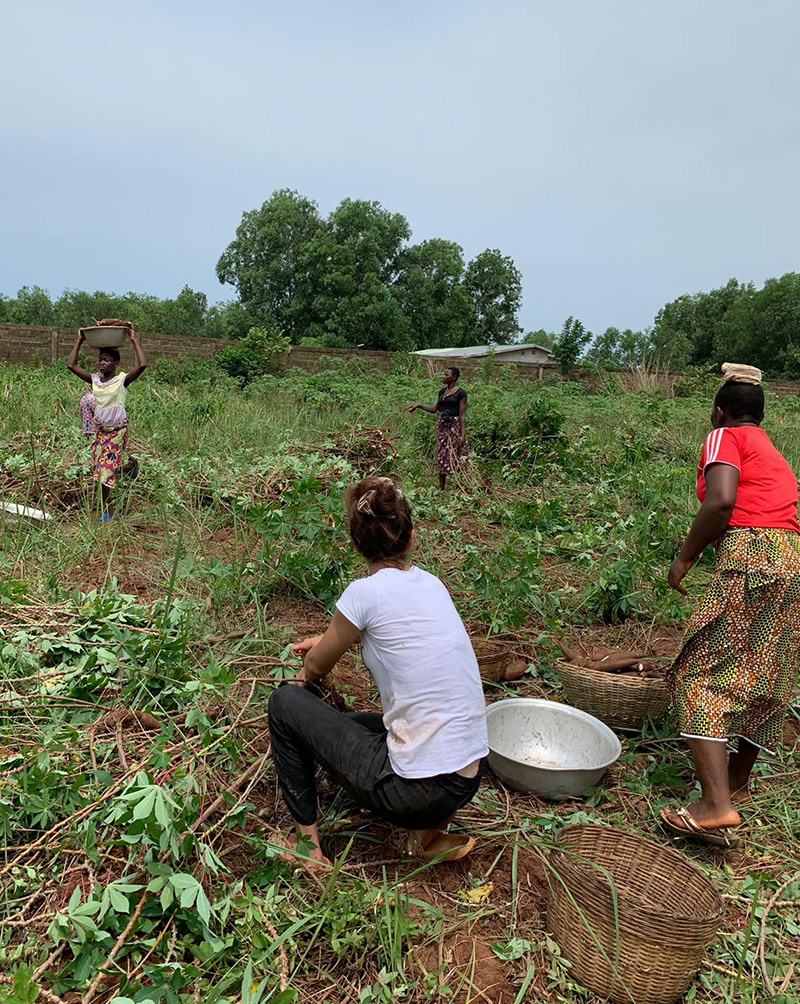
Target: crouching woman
(420,761)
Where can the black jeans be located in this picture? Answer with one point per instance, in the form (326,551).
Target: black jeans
(352,748)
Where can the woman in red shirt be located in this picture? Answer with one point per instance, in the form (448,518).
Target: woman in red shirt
(740,654)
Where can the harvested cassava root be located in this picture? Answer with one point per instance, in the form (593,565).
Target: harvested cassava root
(611,661)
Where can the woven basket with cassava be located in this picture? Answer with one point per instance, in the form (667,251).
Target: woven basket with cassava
(622,701)
(633,918)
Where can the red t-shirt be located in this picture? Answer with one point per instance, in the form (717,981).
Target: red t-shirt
(767,494)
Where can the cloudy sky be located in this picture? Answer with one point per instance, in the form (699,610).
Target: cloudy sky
(622,152)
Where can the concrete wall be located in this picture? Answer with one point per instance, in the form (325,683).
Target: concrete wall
(33,346)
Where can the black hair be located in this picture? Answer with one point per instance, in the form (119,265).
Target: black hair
(114,353)
(454,370)
(380,519)
(741,400)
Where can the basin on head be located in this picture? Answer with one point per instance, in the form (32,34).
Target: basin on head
(106,336)
(548,749)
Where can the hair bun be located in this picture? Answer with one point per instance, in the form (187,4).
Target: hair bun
(740,373)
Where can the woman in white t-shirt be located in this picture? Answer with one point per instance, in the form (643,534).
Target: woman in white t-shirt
(422,759)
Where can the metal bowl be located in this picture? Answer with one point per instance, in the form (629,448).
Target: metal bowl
(548,749)
(106,336)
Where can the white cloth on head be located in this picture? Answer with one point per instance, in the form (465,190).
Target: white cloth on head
(741,373)
(419,653)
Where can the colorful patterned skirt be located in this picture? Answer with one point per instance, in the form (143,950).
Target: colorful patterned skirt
(451,455)
(108,453)
(741,651)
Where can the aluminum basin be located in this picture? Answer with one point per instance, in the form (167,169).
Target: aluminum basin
(548,749)
(106,336)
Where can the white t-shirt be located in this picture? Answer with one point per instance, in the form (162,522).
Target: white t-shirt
(415,645)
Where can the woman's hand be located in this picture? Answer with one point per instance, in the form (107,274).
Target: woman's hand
(132,335)
(302,648)
(300,680)
(413,408)
(80,337)
(677,572)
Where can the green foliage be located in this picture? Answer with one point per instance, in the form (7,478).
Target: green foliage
(546,339)
(616,349)
(529,437)
(495,285)
(265,260)
(187,314)
(570,512)
(261,351)
(613,596)
(436,305)
(351,279)
(736,322)
(570,343)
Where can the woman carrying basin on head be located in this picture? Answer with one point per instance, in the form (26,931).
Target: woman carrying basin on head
(451,425)
(422,759)
(732,678)
(108,415)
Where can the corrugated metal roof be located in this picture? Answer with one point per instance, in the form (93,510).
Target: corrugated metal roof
(466,351)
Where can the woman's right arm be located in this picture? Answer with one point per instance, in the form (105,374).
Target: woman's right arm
(72,362)
(424,407)
(321,654)
(722,484)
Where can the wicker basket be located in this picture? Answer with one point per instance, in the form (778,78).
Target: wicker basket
(622,702)
(668,914)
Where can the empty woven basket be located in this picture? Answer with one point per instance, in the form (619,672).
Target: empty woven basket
(621,701)
(666,914)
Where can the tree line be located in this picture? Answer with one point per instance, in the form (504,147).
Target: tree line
(349,279)
(354,279)
(736,322)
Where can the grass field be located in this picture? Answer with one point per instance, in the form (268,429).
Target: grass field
(137,797)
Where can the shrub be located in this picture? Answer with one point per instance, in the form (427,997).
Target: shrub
(261,351)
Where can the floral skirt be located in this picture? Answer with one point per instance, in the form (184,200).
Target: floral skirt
(741,652)
(451,455)
(108,453)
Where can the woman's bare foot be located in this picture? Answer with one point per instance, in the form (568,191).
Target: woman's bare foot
(710,817)
(435,845)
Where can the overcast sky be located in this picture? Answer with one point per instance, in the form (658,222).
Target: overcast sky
(622,152)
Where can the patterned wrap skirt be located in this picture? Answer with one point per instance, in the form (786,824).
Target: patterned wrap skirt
(451,455)
(740,656)
(108,453)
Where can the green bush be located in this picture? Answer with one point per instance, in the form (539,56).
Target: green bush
(261,351)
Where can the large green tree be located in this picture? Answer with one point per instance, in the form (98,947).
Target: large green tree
(267,260)
(429,289)
(495,285)
(348,268)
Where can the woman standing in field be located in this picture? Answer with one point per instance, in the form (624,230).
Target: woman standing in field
(740,655)
(420,761)
(108,415)
(451,424)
